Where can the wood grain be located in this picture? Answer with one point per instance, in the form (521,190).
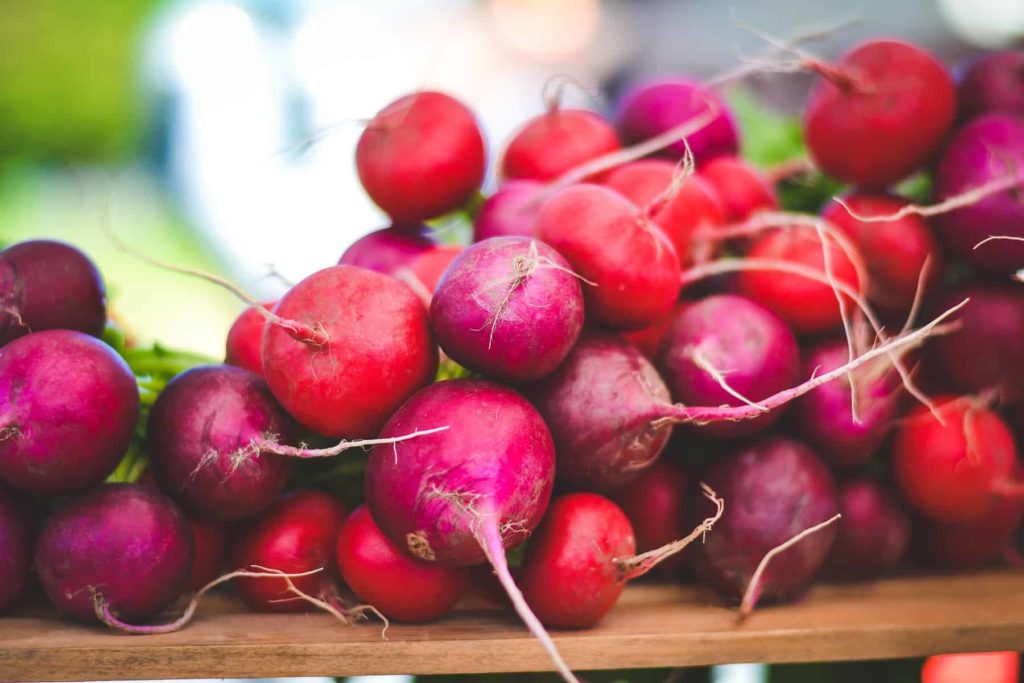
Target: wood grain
(653,625)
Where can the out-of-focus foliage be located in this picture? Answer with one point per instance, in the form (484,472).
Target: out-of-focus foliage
(768,137)
(68,78)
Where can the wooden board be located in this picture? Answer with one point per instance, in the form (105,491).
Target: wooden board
(653,625)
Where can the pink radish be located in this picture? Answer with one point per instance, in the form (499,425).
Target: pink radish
(510,211)
(244,344)
(873,534)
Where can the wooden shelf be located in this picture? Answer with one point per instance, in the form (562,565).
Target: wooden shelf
(653,625)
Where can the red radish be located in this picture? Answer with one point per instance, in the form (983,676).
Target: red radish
(871,123)
(295,535)
(599,406)
(989,148)
(808,306)
(384,575)
(655,501)
(209,542)
(421,157)
(655,107)
(742,189)
(121,553)
(508,307)
(556,142)
(826,417)
(388,249)
(429,266)
(371,349)
(951,471)
(975,544)
(683,213)
(510,211)
(775,488)
(993,83)
(18,530)
(609,241)
(727,350)
(202,433)
(245,339)
(68,407)
(987,667)
(46,285)
(873,533)
(895,251)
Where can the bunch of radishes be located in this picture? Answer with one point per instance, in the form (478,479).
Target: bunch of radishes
(612,295)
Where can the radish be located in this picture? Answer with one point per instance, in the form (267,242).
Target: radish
(871,122)
(556,142)
(987,149)
(993,83)
(421,157)
(429,266)
(775,488)
(209,542)
(895,251)
(741,188)
(873,533)
(387,249)
(244,343)
(18,530)
(727,350)
(347,348)
(975,544)
(68,407)
(655,501)
(47,285)
(649,340)
(383,574)
(682,212)
(201,435)
(825,416)
(508,307)
(951,471)
(295,535)
(610,242)
(651,108)
(990,667)
(510,211)
(122,553)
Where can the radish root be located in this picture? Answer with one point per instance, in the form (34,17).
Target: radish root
(993,238)
(972,196)
(695,354)
(330,602)
(269,444)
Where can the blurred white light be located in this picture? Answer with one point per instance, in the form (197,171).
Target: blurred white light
(988,23)
(212,44)
(548,30)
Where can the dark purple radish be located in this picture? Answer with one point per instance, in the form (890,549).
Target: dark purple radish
(388,249)
(774,488)
(203,436)
(68,407)
(873,534)
(120,554)
(993,83)
(18,528)
(825,416)
(510,211)
(46,285)
(508,307)
(727,350)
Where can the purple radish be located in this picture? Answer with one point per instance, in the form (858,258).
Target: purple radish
(993,83)
(987,149)
(17,539)
(388,249)
(774,489)
(873,535)
(47,285)
(510,211)
(508,307)
(727,350)
(201,435)
(68,407)
(121,553)
(825,416)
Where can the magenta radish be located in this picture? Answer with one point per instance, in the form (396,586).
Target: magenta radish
(741,188)
(421,157)
(993,83)
(826,416)
(122,553)
(873,534)
(47,285)
(508,307)
(203,435)
(18,530)
(510,211)
(611,243)
(870,123)
(727,350)
(655,502)
(652,108)
(244,344)
(387,249)
(555,142)
(68,407)
(775,488)
(349,346)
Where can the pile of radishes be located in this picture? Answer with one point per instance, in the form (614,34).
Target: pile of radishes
(648,351)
